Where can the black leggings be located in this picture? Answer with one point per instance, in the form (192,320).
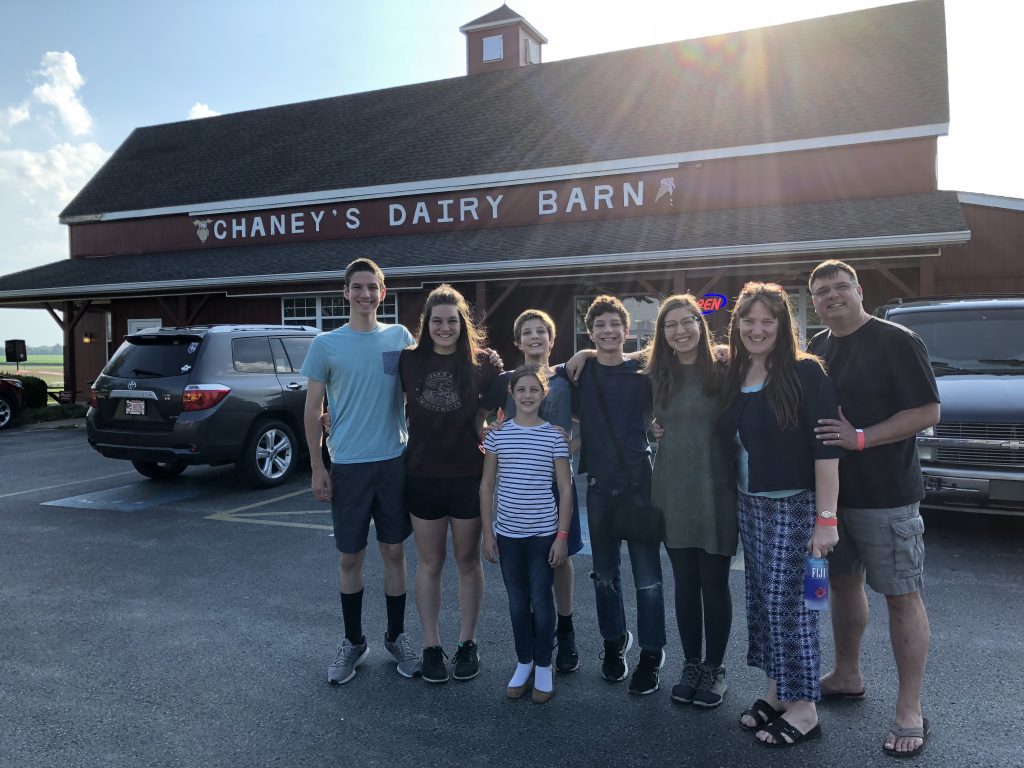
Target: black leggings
(703,602)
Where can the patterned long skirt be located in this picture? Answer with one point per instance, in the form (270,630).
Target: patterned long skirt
(783,634)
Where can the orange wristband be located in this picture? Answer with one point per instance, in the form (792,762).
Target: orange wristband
(562,535)
(826,521)
(860,439)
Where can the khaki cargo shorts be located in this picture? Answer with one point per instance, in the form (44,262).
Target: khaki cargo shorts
(887,545)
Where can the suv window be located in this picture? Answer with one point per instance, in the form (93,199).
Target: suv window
(297,348)
(154,357)
(252,355)
(980,340)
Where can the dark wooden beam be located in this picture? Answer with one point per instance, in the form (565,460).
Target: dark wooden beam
(711,282)
(679,281)
(481,297)
(888,275)
(504,295)
(78,314)
(927,267)
(170,312)
(651,289)
(199,308)
(54,315)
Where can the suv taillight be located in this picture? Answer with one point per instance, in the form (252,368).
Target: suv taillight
(199,397)
(93,402)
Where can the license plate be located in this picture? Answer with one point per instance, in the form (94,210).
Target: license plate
(134,407)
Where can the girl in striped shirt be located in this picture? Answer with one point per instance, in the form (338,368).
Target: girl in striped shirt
(530,530)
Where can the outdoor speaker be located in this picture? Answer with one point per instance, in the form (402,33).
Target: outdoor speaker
(15,350)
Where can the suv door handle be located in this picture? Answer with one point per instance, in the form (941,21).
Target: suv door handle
(293,385)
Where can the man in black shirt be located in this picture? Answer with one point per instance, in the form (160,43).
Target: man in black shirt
(887,394)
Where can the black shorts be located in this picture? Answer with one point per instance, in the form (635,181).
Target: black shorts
(433,498)
(365,492)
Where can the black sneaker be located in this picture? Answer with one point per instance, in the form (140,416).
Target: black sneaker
(567,659)
(613,658)
(645,676)
(433,669)
(711,688)
(688,681)
(466,662)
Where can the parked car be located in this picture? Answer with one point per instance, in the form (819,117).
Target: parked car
(974,458)
(221,394)
(12,401)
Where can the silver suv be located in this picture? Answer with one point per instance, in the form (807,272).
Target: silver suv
(219,394)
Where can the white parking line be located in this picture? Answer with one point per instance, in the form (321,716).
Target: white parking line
(259,518)
(62,485)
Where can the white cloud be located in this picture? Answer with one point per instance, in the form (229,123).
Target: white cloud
(60,91)
(200,110)
(53,176)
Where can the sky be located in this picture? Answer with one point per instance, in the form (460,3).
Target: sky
(77,77)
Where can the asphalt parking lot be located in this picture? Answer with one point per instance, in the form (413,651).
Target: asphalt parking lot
(190,624)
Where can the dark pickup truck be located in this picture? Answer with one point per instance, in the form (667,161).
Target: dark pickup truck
(973,460)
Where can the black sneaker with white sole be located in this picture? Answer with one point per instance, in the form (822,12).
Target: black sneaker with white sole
(645,676)
(433,668)
(613,658)
(466,664)
(568,658)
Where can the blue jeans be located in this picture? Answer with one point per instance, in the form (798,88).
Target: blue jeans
(528,581)
(603,502)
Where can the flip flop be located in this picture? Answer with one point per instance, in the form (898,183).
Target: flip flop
(843,695)
(762,713)
(912,732)
(780,729)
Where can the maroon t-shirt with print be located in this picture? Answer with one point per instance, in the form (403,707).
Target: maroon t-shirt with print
(443,441)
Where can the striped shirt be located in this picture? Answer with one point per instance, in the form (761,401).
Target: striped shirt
(526,462)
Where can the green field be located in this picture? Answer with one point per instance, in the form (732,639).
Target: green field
(49,368)
(50,360)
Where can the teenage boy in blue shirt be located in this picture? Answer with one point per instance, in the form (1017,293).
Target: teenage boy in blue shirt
(356,366)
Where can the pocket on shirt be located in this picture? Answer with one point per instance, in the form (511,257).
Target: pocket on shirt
(908,547)
(390,361)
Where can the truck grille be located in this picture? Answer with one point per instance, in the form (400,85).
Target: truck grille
(990,456)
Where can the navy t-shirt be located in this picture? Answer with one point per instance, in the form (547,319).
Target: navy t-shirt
(627,393)
(878,370)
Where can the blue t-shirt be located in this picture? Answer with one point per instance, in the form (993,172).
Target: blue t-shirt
(360,371)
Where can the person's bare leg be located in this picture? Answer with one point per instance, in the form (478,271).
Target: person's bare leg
(849,621)
(431,546)
(909,633)
(395,574)
(466,545)
(564,581)
(350,571)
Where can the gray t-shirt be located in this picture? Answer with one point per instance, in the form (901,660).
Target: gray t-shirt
(556,408)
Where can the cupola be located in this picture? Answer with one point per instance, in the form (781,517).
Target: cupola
(501,39)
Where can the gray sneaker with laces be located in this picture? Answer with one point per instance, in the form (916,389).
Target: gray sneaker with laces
(711,688)
(350,656)
(688,681)
(405,657)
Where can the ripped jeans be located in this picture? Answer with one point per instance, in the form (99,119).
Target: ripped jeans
(603,502)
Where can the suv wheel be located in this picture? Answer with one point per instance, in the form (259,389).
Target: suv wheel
(6,413)
(269,455)
(159,470)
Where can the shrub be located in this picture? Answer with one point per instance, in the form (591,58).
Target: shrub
(35,389)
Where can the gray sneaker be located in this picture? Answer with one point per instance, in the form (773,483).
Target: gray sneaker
(350,656)
(711,688)
(406,658)
(684,690)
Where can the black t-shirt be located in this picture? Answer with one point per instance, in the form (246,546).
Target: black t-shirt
(443,441)
(878,370)
(627,392)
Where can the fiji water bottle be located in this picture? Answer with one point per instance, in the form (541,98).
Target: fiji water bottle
(816,584)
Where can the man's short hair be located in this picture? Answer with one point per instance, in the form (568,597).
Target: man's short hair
(603,305)
(364,265)
(533,314)
(831,268)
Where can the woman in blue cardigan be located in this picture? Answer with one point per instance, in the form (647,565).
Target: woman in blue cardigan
(788,484)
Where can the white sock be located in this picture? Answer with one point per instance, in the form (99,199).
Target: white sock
(542,679)
(522,674)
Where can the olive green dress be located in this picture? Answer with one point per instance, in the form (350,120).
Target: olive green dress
(691,485)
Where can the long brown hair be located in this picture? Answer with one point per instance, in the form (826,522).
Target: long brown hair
(471,337)
(782,387)
(666,375)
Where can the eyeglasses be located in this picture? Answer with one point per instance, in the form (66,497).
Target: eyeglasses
(686,323)
(821,293)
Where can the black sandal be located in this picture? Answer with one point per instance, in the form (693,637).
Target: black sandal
(781,729)
(762,713)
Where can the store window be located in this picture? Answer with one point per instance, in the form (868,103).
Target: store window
(643,315)
(493,48)
(330,312)
(807,321)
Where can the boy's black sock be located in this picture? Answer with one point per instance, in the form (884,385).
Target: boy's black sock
(564,624)
(352,614)
(396,616)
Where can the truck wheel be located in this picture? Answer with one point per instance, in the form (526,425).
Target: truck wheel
(6,413)
(159,470)
(268,458)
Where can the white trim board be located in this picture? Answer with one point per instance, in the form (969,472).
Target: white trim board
(534,175)
(991,201)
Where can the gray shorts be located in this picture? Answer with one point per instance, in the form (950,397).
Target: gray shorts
(887,545)
(365,492)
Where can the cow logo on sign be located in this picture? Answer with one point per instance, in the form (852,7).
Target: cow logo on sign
(666,186)
(202,229)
